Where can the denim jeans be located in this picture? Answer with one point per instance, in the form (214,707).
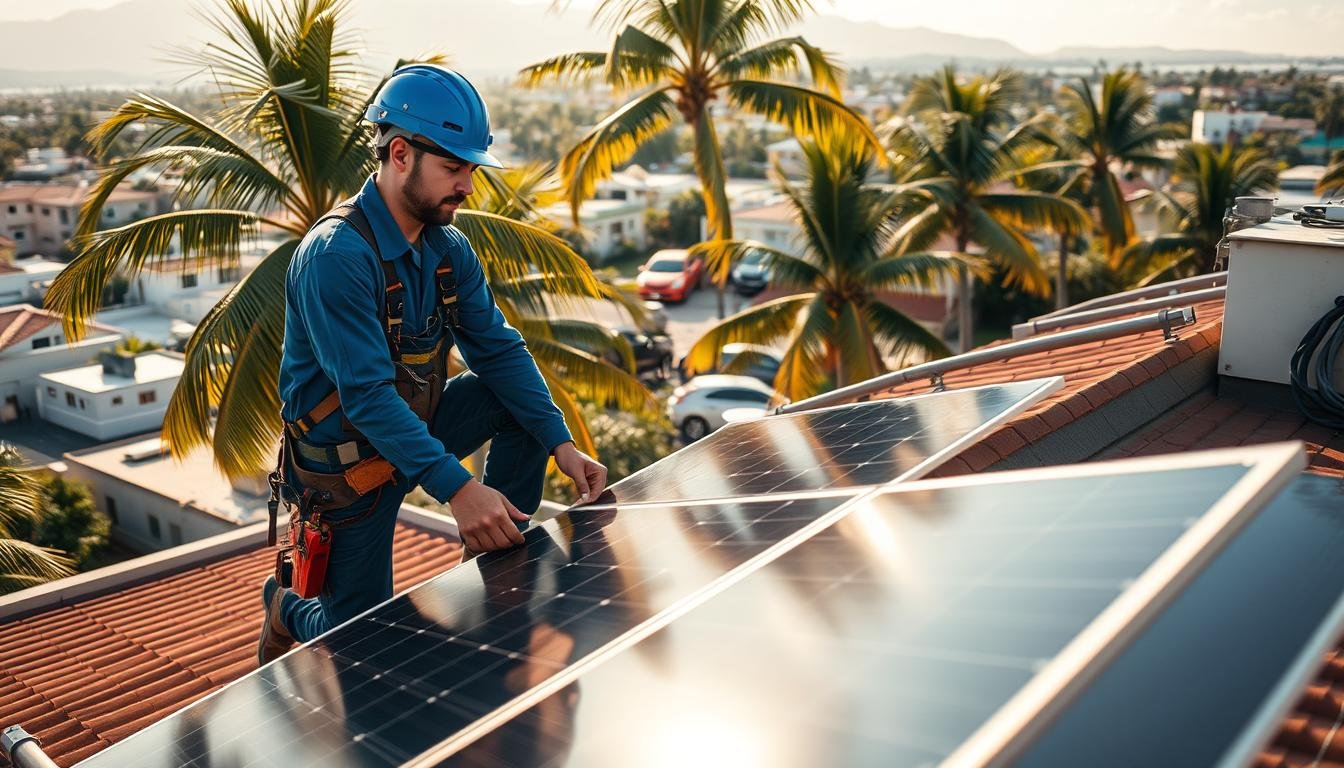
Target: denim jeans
(359,573)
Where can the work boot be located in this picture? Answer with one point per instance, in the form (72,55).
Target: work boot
(275,638)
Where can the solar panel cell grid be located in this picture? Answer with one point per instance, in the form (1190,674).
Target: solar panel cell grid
(395,682)
(834,448)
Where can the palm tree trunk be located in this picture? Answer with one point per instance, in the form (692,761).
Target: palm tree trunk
(1062,277)
(966,292)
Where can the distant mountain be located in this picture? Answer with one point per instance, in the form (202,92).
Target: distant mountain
(131,42)
(854,40)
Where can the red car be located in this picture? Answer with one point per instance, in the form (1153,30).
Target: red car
(669,276)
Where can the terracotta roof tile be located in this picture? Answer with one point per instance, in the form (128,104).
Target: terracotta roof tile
(85,675)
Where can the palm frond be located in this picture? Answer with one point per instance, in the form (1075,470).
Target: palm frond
(565,68)
(231,361)
(784,56)
(509,249)
(761,324)
(1006,244)
(611,143)
(920,270)
(212,237)
(806,112)
(24,565)
(787,270)
(803,370)
(899,335)
(713,178)
(592,378)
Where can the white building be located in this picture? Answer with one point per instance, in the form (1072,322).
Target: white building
(121,395)
(33,342)
(155,501)
(787,156)
(1219,126)
(605,224)
(41,218)
(775,225)
(652,190)
(26,280)
(46,163)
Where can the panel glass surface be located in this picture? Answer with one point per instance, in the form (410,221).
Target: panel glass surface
(1186,689)
(885,640)
(395,682)
(844,447)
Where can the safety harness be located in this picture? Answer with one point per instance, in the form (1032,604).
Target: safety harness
(419,380)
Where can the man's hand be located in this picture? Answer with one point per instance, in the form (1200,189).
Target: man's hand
(589,476)
(485,518)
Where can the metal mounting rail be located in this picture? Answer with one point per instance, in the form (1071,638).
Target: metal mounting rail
(1046,323)
(1174,287)
(23,750)
(1167,321)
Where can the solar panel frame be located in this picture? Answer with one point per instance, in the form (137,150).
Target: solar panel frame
(1281,700)
(1030,711)
(1043,387)
(1027,713)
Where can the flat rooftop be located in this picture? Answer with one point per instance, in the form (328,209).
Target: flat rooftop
(150,367)
(193,482)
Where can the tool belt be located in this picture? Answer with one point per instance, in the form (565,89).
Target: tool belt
(301,561)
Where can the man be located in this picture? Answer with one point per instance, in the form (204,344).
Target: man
(376,295)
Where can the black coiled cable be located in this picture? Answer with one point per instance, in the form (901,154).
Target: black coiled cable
(1325,404)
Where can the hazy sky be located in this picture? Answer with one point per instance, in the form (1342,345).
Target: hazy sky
(1314,27)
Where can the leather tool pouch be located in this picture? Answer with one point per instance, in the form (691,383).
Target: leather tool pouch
(310,552)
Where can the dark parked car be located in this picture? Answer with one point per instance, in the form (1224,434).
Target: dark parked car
(653,352)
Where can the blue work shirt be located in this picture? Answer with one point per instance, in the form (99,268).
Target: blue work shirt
(334,340)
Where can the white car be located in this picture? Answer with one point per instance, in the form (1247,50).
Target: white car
(696,408)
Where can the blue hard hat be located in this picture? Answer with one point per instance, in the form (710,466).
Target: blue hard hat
(439,104)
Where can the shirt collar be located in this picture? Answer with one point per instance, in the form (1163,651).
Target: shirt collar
(392,244)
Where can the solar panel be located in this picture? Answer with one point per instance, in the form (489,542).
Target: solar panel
(842,447)
(939,621)
(1214,676)
(396,681)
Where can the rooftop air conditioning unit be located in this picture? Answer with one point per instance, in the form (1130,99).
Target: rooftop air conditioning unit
(1282,278)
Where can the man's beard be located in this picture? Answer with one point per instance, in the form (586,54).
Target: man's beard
(426,210)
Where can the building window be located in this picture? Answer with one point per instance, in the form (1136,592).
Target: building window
(111,508)
(70,399)
(147,397)
(154,527)
(117,400)
(110,214)
(65,216)
(189,281)
(18,235)
(175,533)
(81,403)
(229,274)
(13,209)
(51,391)
(45,341)
(46,211)
(617,229)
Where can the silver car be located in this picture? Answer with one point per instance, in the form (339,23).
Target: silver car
(696,408)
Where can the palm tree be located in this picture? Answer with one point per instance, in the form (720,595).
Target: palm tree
(1205,181)
(286,145)
(563,348)
(838,329)
(1330,114)
(957,149)
(1332,182)
(679,56)
(23,564)
(1119,130)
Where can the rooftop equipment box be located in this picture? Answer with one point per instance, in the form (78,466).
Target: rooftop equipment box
(1282,277)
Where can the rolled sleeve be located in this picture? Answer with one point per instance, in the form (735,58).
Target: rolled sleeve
(350,347)
(495,352)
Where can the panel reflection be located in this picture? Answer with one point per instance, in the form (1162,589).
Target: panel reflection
(394,683)
(858,445)
(885,640)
